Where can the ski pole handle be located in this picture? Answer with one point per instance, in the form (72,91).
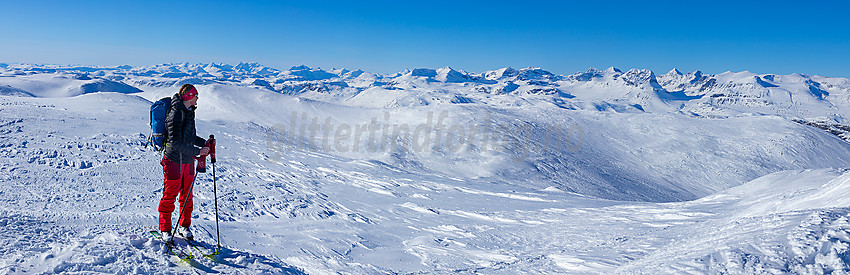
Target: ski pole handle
(211,144)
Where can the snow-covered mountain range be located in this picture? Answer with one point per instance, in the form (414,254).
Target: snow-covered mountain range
(434,170)
(637,90)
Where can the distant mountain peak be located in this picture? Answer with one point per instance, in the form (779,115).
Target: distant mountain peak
(674,71)
(501,73)
(426,72)
(447,74)
(586,76)
(535,73)
(593,70)
(612,70)
(301,67)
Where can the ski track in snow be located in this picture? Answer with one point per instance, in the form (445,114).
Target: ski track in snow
(77,189)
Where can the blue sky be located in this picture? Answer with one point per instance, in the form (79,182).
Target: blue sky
(563,37)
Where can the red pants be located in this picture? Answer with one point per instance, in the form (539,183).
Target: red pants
(172,187)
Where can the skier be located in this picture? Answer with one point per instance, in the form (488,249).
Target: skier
(181,146)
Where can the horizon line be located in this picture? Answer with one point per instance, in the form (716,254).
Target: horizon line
(382,74)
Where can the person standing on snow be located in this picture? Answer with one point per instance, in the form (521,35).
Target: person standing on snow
(178,162)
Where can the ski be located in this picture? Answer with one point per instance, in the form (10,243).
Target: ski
(172,248)
(201,248)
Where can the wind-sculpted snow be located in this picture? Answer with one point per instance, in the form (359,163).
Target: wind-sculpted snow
(75,200)
(363,173)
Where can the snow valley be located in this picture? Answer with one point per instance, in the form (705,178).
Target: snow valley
(433,170)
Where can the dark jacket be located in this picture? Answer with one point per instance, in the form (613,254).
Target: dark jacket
(181,142)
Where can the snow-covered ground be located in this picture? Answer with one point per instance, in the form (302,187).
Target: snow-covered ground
(432,171)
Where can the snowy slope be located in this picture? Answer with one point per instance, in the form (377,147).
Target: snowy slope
(606,155)
(60,85)
(787,222)
(745,193)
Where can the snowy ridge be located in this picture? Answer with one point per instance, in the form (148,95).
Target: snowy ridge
(522,171)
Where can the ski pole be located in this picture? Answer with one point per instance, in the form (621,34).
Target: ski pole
(189,193)
(174,228)
(215,195)
(211,145)
(185,202)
